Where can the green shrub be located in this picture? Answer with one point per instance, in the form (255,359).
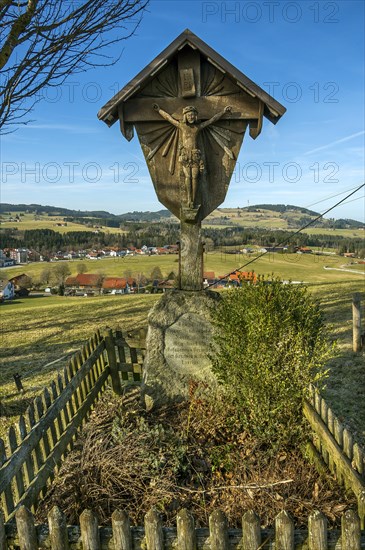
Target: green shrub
(270,343)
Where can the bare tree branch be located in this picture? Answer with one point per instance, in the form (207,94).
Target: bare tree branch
(43,42)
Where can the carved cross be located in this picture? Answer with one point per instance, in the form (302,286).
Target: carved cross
(190,109)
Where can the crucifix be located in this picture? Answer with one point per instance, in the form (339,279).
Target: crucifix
(190,109)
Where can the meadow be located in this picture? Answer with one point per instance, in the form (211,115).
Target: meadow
(308,268)
(265,219)
(39,333)
(30,221)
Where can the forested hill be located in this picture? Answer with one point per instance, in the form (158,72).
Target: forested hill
(268,215)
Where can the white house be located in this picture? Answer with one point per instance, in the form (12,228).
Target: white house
(6,290)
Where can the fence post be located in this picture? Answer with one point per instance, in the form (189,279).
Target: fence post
(251,531)
(185,531)
(153,531)
(356,322)
(317,535)
(89,531)
(122,535)
(284,531)
(218,531)
(112,358)
(350,531)
(58,530)
(26,529)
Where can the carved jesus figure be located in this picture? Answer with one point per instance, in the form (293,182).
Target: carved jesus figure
(190,155)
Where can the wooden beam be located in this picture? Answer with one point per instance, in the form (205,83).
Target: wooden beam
(141,109)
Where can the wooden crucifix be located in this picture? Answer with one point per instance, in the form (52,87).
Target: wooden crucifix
(190,108)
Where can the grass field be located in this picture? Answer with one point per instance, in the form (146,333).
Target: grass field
(30,221)
(265,219)
(297,267)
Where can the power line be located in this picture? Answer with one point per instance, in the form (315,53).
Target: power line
(292,235)
(330,197)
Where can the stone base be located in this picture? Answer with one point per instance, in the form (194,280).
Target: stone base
(178,345)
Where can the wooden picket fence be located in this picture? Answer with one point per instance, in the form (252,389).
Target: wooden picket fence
(154,536)
(335,445)
(36,445)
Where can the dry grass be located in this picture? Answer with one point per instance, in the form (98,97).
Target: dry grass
(192,455)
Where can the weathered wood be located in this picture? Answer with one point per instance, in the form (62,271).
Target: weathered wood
(136,110)
(112,358)
(121,345)
(9,469)
(348,443)
(343,464)
(356,323)
(19,481)
(251,531)
(89,531)
(29,465)
(350,531)
(190,257)
(186,538)
(358,460)
(317,527)
(3,543)
(26,529)
(153,531)
(6,493)
(284,531)
(58,534)
(218,531)
(39,482)
(361,509)
(122,535)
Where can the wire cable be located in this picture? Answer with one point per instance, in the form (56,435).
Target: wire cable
(290,236)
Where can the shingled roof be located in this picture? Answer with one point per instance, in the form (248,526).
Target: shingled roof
(273,110)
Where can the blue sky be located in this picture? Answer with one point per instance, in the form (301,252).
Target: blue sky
(308,54)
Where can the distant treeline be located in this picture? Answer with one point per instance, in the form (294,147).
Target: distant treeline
(282,208)
(47,241)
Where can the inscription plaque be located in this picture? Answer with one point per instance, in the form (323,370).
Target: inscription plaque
(187,344)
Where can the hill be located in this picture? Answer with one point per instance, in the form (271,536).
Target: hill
(271,216)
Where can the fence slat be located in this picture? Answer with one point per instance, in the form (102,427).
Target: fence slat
(186,538)
(7,494)
(348,443)
(112,358)
(122,535)
(3,543)
(26,529)
(358,459)
(317,527)
(350,531)
(153,531)
(121,351)
(58,529)
(251,531)
(361,509)
(343,465)
(284,531)
(218,531)
(89,531)
(19,481)
(29,465)
(40,480)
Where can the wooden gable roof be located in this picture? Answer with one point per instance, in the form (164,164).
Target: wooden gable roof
(273,110)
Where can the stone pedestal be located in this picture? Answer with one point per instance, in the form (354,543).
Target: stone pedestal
(178,345)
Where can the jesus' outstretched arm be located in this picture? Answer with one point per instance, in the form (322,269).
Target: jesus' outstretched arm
(166,116)
(215,118)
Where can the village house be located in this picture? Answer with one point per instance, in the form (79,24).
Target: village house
(7,291)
